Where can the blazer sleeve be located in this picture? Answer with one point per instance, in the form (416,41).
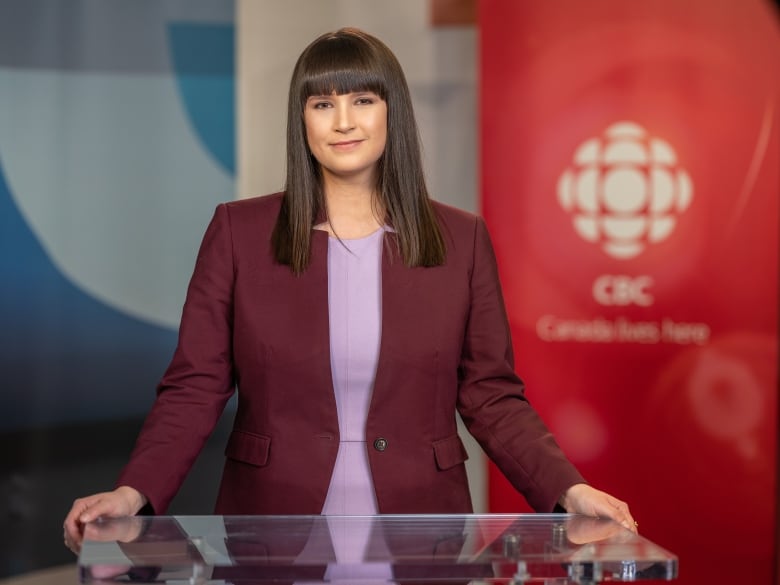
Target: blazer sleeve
(491,397)
(199,380)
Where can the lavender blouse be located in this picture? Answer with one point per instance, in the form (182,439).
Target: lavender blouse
(355,305)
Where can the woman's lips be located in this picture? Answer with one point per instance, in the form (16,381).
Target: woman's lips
(345,144)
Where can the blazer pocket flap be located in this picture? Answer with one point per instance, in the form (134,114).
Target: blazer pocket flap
(449,452)
(248,448)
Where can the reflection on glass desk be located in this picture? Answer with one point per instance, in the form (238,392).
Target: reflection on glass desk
(491,548)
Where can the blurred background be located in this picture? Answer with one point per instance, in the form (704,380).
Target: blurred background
(626,156)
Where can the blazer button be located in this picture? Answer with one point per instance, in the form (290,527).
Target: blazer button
(380,444)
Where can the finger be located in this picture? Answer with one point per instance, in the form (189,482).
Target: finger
(97,508)
(81,506)
(84,510)
(631,524)
(72,525)
(623,515)
(72,542)
(618,504)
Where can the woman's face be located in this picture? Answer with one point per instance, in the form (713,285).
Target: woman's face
(347,134)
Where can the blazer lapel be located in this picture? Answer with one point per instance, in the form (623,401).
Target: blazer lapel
(396,286)
(320,324)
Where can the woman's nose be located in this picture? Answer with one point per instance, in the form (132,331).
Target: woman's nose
(344,119)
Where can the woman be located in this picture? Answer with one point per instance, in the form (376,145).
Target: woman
(354,316)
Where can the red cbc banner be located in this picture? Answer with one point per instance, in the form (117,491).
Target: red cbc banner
(630,167)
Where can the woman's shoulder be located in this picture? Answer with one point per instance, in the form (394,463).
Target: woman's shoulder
(463,230)
(455,218)
(257,204)
(254,211)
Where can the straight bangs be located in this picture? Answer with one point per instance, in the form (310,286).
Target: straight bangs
(340,66)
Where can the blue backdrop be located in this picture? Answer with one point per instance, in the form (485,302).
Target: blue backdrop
(116,142)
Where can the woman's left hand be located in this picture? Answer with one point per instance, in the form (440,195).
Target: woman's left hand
(584,499)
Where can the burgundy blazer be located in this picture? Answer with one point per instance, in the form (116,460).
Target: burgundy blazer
(249,324)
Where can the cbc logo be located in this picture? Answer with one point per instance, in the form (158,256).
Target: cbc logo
(624,190)
(620,290)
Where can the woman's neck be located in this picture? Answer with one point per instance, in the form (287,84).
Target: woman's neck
(352,211)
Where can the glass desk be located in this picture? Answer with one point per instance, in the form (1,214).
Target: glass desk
(510,549)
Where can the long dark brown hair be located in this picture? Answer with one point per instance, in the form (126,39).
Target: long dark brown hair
(350,60)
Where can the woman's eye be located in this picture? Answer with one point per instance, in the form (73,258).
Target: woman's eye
(364,101)
(321,105)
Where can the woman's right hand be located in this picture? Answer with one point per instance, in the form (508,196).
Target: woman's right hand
(123,501)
